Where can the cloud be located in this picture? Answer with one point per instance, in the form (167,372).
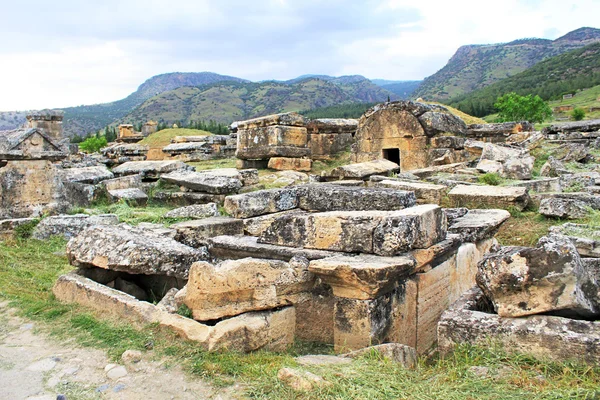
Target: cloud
(66,52)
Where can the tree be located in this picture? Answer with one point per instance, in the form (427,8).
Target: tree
(578,114)
(93,144)
(512,107)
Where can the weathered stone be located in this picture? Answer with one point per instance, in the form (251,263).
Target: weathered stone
(540,185)
(133,195)
(187,198)
(257,164)
(203,182)
(68,226)
(168,302)
(87,174)
(426,193)
(563,208)
(452,214)
(294,164)
(332,125)
(364,170)
(362,277)
(578,181)
(338,198)
(197,211)
(435,123)
(235,247)
(499,129)
(571,152)
(272,141)
(234,287)
(31,188)
(287,119)
(131,356)
(100,275)
(485,196)
(578,126)
(427,172)
(149,169)
(415,227)
(157,229)
(127,249)
(470,321)
(322,359)
(553,168)
(477,225)
(549,278)
(130,288)
(509,162)
(261,202)
(301,380)
(196,233)
(248,176)
(396,352)
(124,182)
(324,146)
(257,225)
(590,200)
(190,147)
(584,237)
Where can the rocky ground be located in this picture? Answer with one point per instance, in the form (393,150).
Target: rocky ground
(36,366)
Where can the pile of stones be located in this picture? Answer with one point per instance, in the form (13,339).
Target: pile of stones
(200,148)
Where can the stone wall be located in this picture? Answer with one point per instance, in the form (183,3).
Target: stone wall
(50,122)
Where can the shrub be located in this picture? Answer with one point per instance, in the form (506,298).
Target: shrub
(578,114)
(491,178)
(93,144)
(512,107)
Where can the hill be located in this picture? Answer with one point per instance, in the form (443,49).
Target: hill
(550,79)
(403,89)
(229,101)
(473,67)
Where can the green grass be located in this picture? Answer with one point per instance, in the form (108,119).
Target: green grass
(152,213)
(162,138)
(490,178)
(214,164)
(29,268)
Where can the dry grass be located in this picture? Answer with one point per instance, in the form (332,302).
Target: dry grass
(162,138)
(468,119)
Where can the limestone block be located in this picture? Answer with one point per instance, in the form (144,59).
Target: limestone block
(550,278)
(332,125)
(272,141)
(234,287)
(261,202)
(477,225)
(204,182)
(196,233)
(362,277)
(325,145)
(149,169)
(426,193)
(132,250)
(318,197)
(468,321)
(287,119)
(435,122)
(255,226)
(196,211)
(396,352)
(294,164)
(365,169)
(87,174)
(234,247)
(124,182)
(473,196)
(314,315)
(448,142)
(69,226)
(301,380)
(563,208)
(132,195)
(257,164)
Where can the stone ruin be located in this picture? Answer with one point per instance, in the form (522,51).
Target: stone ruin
(200,148)
(348,266)
(128,134)
(48,121)
(289,141)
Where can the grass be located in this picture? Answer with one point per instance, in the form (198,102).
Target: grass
(468,119)
(29,268)
(162,138)
(490,178)
(327,165)
(152,213)
(214,164)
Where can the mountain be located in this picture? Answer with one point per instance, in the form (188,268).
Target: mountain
(473,67)
(550,79)
(229,101)
(85,119)
(403,89)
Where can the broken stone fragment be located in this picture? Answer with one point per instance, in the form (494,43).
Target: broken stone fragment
(563,208)
(234,287)
(476,225)
(149,169)
(508,162)
(365,170)
(133,196)
(362,277)
(68,226)
(396,352)
(426,193)
(474,196)
(261,202)
(286,163)
(435,122)
(318,197)
(197,211)
(301,380)
(132,250)
(196,233)
(204,182)
(549,278)
(87,174)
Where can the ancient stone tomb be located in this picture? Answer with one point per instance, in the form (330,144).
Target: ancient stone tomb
(350,266)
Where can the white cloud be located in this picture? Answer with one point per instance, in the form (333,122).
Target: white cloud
(72,52)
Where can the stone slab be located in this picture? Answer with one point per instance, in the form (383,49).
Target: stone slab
(489,196)
(197,232)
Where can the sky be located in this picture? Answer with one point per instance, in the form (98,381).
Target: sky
(72,52)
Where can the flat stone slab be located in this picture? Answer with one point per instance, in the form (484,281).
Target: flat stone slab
(68,226)
(540,185)
(197,232)
(269,330)
(204,182)
(286,119)
(586,238)
(481,196)
(234,247)
(477,225)
(135,195)
(423,173)
(426,193)
(322,359)
(255,226)
(183,148)
(362,277)
(90,175)
(149,169)
(365,169)
(187,198)
(470,321)
(319,197)
(128,249)
(396,352)
(234,287)
(261,202)
(196,211)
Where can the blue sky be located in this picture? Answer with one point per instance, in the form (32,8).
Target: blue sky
(65,53)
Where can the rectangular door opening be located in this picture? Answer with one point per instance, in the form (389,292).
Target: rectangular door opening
(392,154)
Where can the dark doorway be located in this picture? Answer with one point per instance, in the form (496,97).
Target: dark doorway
(392,154)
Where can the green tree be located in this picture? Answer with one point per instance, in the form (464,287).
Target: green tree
(512,107)
(93,144)
(578,114)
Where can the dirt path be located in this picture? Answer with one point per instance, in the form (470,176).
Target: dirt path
(35,366)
